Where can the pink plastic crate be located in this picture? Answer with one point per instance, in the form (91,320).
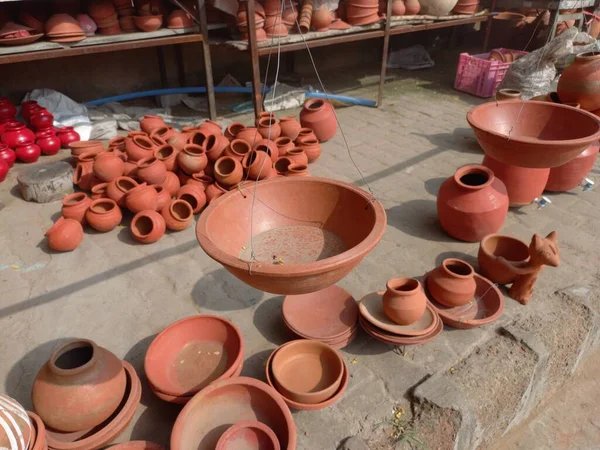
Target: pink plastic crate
(478,76)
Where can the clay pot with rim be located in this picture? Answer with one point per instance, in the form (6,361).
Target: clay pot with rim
(80,147)
(104,215)
(215,145)
(213,192)
(149,123)
(321,19)
(192,159)
(268,146)
(257,165)
(48,142)
(99,191)
(147,226)
(508,94)
(283,144)
(164,133)
(579,82)
(282,165)
(202,181)
(138,147)
(151,170)
(569,176)
(164,196)
(168,155)
(494,246)
(178,140)
(67,135)
(74,206)
(269,128)
(117,189)
(16,133)
(83,176)
(237,149)
(171,184)
(107,166)
(472,204)
(453,283)
(297,156)
(79,387)
(117,142)
(27,152)
(7,155)
(141,198)
(157,141)
(233,129)
(65,235)
(311,148)
(319,116)
(228,171)
(404,301)
(251,434)
(250,135)
(27,108)
(199,137)
(297,170)
(211,127)
(42,119)
(178,214)
(194,195)
(305,133)
(412,7)
(290,127)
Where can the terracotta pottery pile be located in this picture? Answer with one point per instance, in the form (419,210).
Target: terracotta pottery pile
(274,26)
(362,12)
(125,13)
(259,21)
(64,28)
(105,15)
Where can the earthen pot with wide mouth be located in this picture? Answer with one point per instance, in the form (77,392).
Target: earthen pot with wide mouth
(494,246)
(404,300)
(452,283)
(249,435)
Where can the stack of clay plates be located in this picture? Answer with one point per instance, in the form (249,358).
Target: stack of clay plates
(64,28)
(377,324)
(329,315)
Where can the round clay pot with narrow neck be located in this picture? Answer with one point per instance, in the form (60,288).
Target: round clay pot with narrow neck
(7,155)
(283,144)
(48,142)
(319,116)
(311,148)
(67,135)
(65,235)
(79,387)
(16,133)
(228,171)
(99,191)
(107,166)
(178,215)
(453,283)
(290,127)
(282,165)
(404,301)
(305,133)
(213,192)
(27,152)
(171,184)
(138,147)
(211,127)
(194,195)
(201,180)
(269,128)
(103,215)
(257,165)
(192,159)
(149,123)
(297,170)
(168,155)
(250,135)
(151,170)
(233,129)
(164,196)
(579,82)
(215,145)
(570,175)
(147,227)
(237,149)
(118,188)
(141,198)
(74,206)
(297,155)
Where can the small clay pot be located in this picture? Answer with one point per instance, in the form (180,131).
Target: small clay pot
(258,165)
(508,94)
(305,133)
(199,137)
(148,23)
(104,215)
(149,123)
(237,149)
(453,283)
(269,128)
(268,146)
(99,191)
(250,135)
(194,195)
(228,171)
(321,19)
(27,152)
(179,19)
(282,165)
(78,148)
(138,147)
(184,177)
(297,156)
(171,184)
(108,166)
(404,301)
(151,170)
(319,115)
(83,176)
(233,129)
(42,119)
(168,155)
(117,189)
(178,215)
(48,142)
(157,140)
(297,170)
(141,198)
(74,206)
(192,159)
(283,144)
(65,235)
(117,142)
(202,181)
(311,148)
(164,133)
(213,192)
(67,135)
(147,227)
(163,196)
(178,140)
(212,127)
(290,127)
(215,145)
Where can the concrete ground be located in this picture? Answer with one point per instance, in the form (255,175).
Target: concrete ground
(464,390)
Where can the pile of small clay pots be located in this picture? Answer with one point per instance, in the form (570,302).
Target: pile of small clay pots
(164,176)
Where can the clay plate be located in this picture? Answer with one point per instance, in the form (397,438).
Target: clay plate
(323,315)
(383,336)
(21,40)
(371,309)
(101,435)
(487,306)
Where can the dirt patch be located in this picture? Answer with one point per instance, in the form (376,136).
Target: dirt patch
(436,427)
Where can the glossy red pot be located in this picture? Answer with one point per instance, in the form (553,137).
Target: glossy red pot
(67,135)
(570,175)
(3,170)
(28,152)
(27,108)
(16,133)
(579,82)
(319,115)
(48,142)
(7,155)
(7,109)
(41,119)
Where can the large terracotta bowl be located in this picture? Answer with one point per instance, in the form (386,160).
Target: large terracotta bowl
(531,133)
(223,403)
(308,232)
(494,246)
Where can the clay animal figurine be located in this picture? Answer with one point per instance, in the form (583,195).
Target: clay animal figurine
(543,252)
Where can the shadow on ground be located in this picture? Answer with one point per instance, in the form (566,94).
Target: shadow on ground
(417,218)
(208,293)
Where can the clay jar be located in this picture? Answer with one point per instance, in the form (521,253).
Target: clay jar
(148,227)
(27,108)
(297,170)
(15,133)
(151,170)
(27,152)
(194,195)
(228,171)
(257,165)
(398,8)
(178,215)
(117,189)
(48,142)
(141,198)
(284,144)
(168,155)
(250,135)
(213,192)
(104,215)
(211,127)
(453,283)
(404,301)
(138,147)
(79,387)
(305,133)
(570,175)
(311,148)
(238,149)
(233,129)
(282,165)
(7,155)
(74,206)
(579,82)
(107,166)
(202,181)
(84,173)
(321,19)
(215,145)
(99,191)
(412,7)
(297,156)
(178,140)
(508,94)
(319,116)
(269,128)
(149,123)
(523,184)
(171,184)
(290,127)
(192,159)
(472,203)
(67,135)
(269,147)
(41,119)
(3,169)
(65,235)
(163,196)
(163,133)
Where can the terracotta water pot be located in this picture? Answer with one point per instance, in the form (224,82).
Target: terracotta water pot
(194,195)
(290,127)
(319,115)
(178,140)
(404,301)
(269,147)
(198,137)
(104,215)
(48,142)
(492,247)
(570,175)
(452,284)
(67,135)
(215,145)
(79,387)
(83,176)
(147,227)
(150,123)
(192,159)
(297,170)
(164,133)
(17,429)
(184,177)
(211,127)
(16,133)
(118,142)
(171,184)
(27,152)
(269,128)
(238,149)
(74,206)
(77,148)
(138,147)
(507,94)
(108,166)
(157,141)
(228,171)
(297,156)
(472,204)
(202,181)
(321,19)
(523,184)
(7,155)
(283,144)
(178,214)
(151,170)
(168,155)
(579,82)
(141,198)
(250,434)
(250,135)
(163,196)
(311,148)
(305,133)
(117,189)
(99,191)
(213,192)
(65,235)
(233,129)
(257,165)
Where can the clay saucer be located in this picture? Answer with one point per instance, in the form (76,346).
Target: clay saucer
(307,407)
(22,40)
(101,435)
(383,336)
(137,445)
(323,315)
(487,306)
(371,309)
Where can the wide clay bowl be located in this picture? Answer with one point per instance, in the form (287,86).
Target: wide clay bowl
(492,247)
(307,371)
(487,306)
(223,403)
(308,232)
(193,352)
(531,133)
(249,435)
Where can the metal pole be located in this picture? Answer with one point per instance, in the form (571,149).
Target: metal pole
(384,56)
(253,50)
(210,87)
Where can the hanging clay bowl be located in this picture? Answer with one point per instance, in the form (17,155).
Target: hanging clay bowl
(248,435)
(570,175)
(208,414)
(17,429)
(310,237)
(395,339)
(319,116)
(492,247)
(452,283)
(507,94)
(533,134)
(579,82)
(403,301)
(137,445)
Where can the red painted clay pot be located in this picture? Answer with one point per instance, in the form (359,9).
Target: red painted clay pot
(74,206)
(178,140)
(570,175)
(41,119)
(67,135)
(228,171)
(238,149)
(283,144)
(290,127)
(297,170)
(148,227)
(213,192)
(138,147)
(233,129)
(168,155)
(211,127)
(16,133)
(27,152)
(27,108)
(269,128)
(64,236)
(192,159)
(511,249)
(250,434)
(453,283)
(104,214)
(3,170)
(404,301)
(269,147)
(319,115)
(141,198)
(117,189)
(297,156)
(80,386)
(150,123)
(194,195)
(163,196)
(215,145)
(258,165)
(108,166)
(523,184)
(48,142)
(7,155)
(7,109)
(472,204)
(250,135)
(311,148)
(99,191)
(178,214)
(579,82)
(171,184)
(151,170)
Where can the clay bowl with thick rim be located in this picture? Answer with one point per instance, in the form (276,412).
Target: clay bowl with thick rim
(492,246)
(486,307)
(226,402)
(389,338)
(137,445)
(193,352)
(101,435)
(307,371)
(317,229)
(249,435)
(306,406)
(531,133)
(38,435)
